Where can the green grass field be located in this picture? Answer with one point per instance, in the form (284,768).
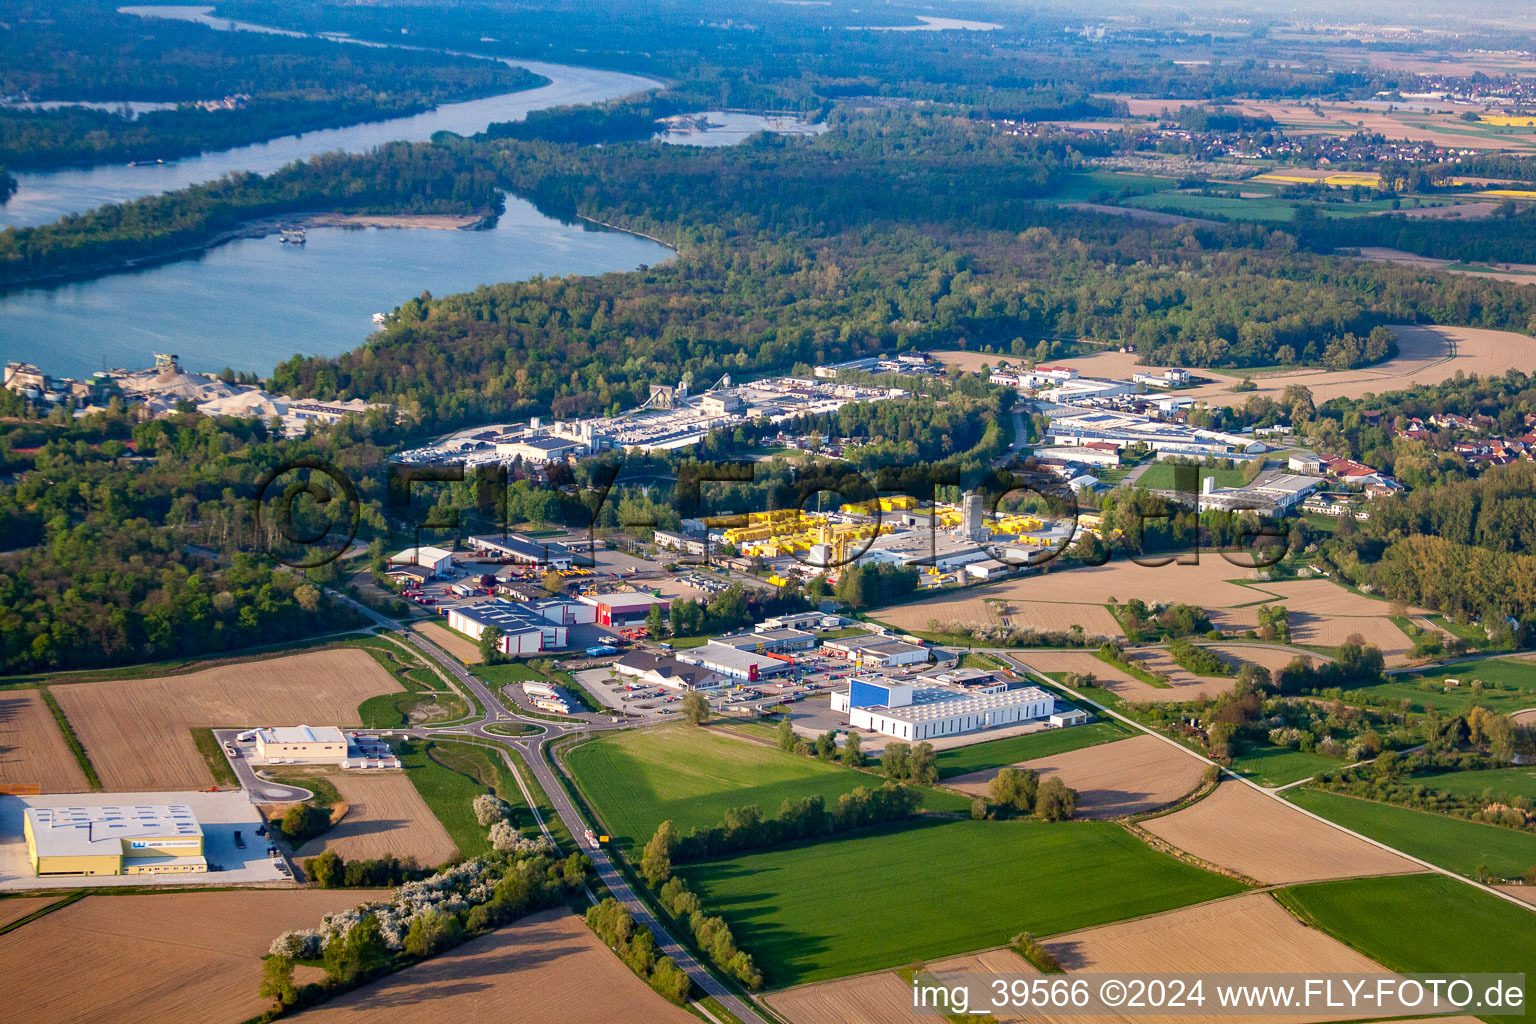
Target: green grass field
(637,779)
(1516,681)
(449,776)
(1269,765)
(997,753)
(1496,782)
(1452,843)
(1422,923)
(889,896)
(1160,476)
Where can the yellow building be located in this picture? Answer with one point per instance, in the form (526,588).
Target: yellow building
(144,839)
(304,743)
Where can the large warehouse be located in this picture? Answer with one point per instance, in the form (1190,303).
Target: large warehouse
(325,744)
(910,712)
(524,631)
(627,609)
(145,839)
(522,551)
(743,666)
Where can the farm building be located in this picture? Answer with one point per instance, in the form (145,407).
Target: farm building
(436,561)
(670,672)
(747,666)
(304,743)
(909,712)
(629,609)
(524,630)
(876,650)
(146,839)
(522,551)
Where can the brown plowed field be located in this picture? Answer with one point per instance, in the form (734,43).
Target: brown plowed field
(869,999)
(137,732)
(20,907)
(1245,934)
(455,643)
(1121,683)
(1246,831)
(1003,610)
(183,958)
(1112,779)
(1427,354)
(385,816)
(543,969)
(32,749)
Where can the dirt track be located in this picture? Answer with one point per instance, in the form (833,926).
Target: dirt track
(32,749)
(1241,829)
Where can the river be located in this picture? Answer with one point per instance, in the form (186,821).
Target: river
(253,302)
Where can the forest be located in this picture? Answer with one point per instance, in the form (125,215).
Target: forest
(86,50)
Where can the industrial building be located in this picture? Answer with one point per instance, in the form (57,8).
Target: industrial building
(878,650)
(437,561)
(524,630)
(113,839)
(908,712)
(670,672)
(324,745)
(773,641)
(624,609)
(522,551)
(684,543)
(744,666)
(1073,425)
(1272,492)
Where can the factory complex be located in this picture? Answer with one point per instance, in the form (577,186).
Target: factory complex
(673,418)
(914,707)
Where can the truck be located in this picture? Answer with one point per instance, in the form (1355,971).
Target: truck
(591,838)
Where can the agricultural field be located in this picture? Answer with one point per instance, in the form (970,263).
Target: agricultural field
(137,732)
(993,606)
(189,957)
(1181,685)
(18,907)
(1269,765)
(455,643)
(1453,843)
(1427,354)
(638,779)
(1422,923)
(994,754)
(385,815)
(884,997)
(547,967)
(1496,782)
(1248,934)
(32,749)
(1514,678)
(1113,780)
(1243,830)
(782,904)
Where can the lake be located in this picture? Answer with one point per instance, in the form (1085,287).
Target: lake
(254,302)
